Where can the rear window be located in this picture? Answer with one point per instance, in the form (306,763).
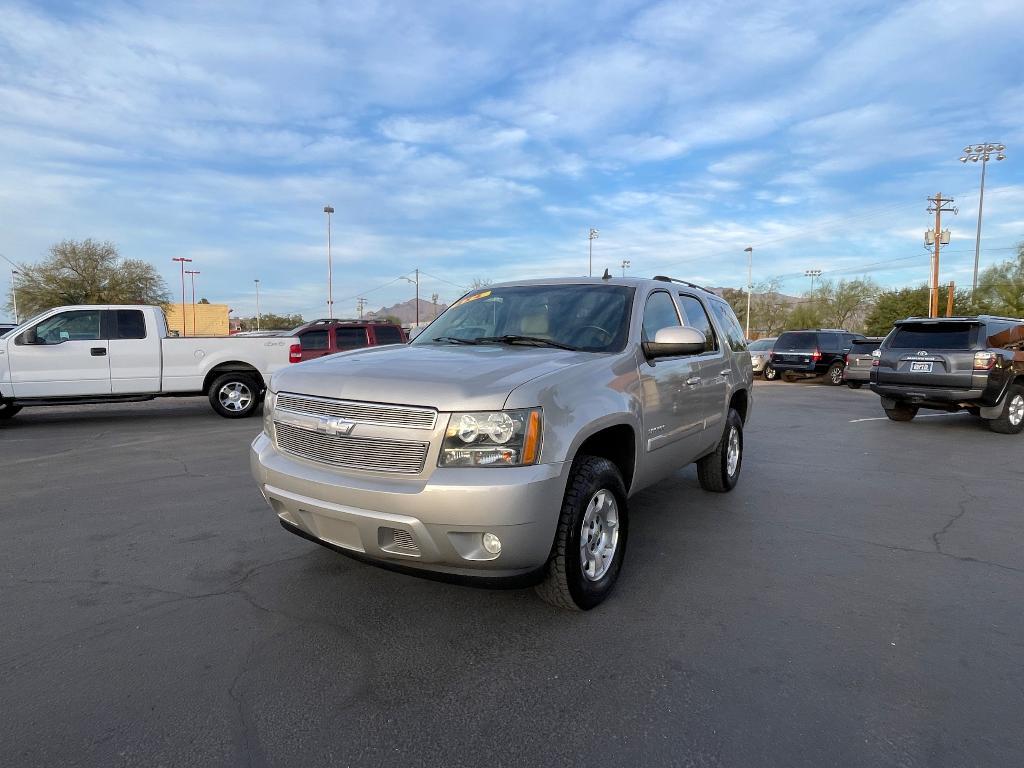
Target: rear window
(387,334)
(350,338)
(863,347)
(799,340)
(933,336)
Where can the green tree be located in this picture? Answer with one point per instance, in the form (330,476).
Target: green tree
(86,272)
(204,300)
(769,308)
(271,322)
(900,303)
(1001,287)
(843,304)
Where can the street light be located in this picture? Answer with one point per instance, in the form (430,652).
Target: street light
(415,282)
(974,153)
(183,261)
(813,274)
(625,266)
(193,273)
(257,281)
(592,237)
(749,250)
(330,266)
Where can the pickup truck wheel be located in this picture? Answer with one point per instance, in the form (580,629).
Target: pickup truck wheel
(901,412)
(769,373)
(720,470)
(834,375)
(7,410)
(590,541)
(1011,420)
(234,395)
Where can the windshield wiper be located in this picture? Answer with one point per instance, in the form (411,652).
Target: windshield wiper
(455,340)
(534,340)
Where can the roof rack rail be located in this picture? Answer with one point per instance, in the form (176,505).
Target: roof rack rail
(666,279)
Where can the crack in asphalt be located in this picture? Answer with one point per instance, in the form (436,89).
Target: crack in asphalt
(952,521)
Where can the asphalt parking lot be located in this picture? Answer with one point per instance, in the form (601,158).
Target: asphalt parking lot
(856,602)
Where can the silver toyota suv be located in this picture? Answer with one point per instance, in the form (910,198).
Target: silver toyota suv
(504,442)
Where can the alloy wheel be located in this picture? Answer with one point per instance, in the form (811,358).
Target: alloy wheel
(235,396)
(599,535)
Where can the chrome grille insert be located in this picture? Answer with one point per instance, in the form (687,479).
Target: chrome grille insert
(369,454)
(360,412)
(397,541)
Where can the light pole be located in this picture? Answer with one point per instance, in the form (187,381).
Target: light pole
(257,281)
(193,273)
(330,266)
(183,261)
(14,294)
(813,274)
(975,153)
(591,238)
(625,266)
(749,250)
(416,282)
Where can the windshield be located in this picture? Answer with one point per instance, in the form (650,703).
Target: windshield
(932,336)
(761,345)
(591,318)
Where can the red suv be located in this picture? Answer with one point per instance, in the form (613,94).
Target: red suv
(325,337)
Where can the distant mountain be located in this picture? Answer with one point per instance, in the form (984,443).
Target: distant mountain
(406,311)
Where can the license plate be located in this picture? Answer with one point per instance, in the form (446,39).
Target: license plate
(921,367)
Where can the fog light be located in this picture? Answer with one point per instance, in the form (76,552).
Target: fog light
(492,543)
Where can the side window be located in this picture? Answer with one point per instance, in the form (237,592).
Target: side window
(314,340)
(660,312)
(387,334)
(129,324)
(830,342)
(350,338)
(74,325)
(697,318)
(730,326)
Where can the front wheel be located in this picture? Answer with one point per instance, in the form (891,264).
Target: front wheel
(7,410)
(769,373)
(1011,420)
(234,395)
(834,375)
(590,541)
(720,470)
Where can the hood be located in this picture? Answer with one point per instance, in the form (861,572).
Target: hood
(447,377)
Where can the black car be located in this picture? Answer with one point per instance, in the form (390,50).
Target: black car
(5,327)
(951,364)
(817,352)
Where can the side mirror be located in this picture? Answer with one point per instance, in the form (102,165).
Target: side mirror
(674,341)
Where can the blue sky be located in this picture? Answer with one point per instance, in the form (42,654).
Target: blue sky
(483,139)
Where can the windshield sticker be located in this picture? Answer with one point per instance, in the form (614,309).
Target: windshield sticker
(474,297)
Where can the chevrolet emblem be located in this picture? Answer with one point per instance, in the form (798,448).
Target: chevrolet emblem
(334,427)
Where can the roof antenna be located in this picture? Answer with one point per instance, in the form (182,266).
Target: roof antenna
(607,275)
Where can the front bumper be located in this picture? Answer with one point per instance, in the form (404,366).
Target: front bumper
(432,523)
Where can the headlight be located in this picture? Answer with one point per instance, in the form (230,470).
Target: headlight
(492,439)
(269,403)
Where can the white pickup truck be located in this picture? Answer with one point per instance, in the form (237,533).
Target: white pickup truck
(119,353)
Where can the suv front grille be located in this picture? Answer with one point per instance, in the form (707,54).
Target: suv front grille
(360,412)
(369,454)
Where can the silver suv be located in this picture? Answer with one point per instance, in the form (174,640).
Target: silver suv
(504,442)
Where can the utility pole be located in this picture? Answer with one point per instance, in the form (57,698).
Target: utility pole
(591,238)
(813,274)
(193,273)
(949,299)
(182,261)
(937,205)
(749,250)
(14,294)
(330,266)
(625,265)
(257,281)
(416,282)
(981,152)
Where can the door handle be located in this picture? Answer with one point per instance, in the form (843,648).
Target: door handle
(98,351)
(725,372)
(693,380)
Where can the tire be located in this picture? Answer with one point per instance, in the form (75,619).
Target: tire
(769,373)
(7,411)
(245,400)
(788,376)
(901,412)
(1011,420)
(719,471)
(834,374)
(855,384)
(595,492)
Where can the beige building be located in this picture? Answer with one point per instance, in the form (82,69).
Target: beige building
(200,319)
